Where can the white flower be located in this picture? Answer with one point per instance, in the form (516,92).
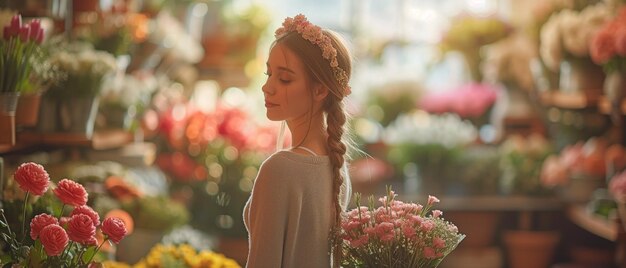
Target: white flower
(550,48)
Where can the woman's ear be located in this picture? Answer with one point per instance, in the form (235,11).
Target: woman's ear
(320,92)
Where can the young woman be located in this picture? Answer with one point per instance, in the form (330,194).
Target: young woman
(294,211)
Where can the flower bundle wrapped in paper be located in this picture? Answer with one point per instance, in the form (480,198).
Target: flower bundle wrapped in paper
(397,234)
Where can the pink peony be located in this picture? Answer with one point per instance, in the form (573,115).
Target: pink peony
(81,229)
(95,218)
(71,193)
(54,239)
(114,229)
(32,177)
(39,222)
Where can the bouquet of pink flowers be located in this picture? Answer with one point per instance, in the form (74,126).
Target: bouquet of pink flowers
(397,234)
(608,45)
(59,241)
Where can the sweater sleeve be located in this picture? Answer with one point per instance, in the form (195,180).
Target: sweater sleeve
(268,216)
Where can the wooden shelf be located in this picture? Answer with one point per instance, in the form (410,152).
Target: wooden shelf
(101,140)
(594,224)
(567,100)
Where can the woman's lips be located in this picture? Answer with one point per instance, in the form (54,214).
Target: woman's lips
(270,105)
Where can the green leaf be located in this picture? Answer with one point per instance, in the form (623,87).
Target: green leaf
(91,251)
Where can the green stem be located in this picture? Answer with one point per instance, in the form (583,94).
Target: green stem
(61,212)
(69,247)
(97,249)
(24,216)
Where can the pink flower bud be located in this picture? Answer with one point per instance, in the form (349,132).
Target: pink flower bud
(35,26)
(24,33)
(16,21)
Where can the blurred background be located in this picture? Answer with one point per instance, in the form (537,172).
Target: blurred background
(510,111)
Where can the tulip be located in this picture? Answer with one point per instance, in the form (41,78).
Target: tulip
(24,33)
(16,22)
(35,26)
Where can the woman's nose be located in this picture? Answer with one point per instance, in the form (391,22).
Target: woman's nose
(266,88)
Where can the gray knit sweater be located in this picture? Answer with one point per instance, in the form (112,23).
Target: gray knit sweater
(289,214)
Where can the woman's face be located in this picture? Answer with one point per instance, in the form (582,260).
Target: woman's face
(286,92)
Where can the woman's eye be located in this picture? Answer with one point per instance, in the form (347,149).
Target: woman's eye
(285,81)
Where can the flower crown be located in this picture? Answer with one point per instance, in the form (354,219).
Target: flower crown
(313,34)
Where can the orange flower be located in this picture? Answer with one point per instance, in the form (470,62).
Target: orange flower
(121,190)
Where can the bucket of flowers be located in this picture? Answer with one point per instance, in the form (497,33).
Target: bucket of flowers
(396,234)
(61,240)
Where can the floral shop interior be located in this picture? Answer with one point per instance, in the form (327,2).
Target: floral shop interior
(504,116)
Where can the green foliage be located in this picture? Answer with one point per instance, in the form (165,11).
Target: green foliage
(157,213)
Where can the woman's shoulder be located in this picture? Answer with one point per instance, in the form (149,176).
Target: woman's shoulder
(287,164)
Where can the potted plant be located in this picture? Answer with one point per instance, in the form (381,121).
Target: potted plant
(17,47)
(71,104)
(564,47)
(608,50)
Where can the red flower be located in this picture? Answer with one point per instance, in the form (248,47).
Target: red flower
(54,239)
(32,177)
(95,218)
(602,47)
(620,41)
(39,222)
(114,228)
(81,229)
(71,193)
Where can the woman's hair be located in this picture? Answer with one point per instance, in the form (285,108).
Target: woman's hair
(319,70)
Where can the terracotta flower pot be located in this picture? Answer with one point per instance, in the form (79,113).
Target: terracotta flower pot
(530,248)
(27,111)
(8,105)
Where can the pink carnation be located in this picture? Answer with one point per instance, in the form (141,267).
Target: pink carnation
(54,239)
(32,177)
(114,229)
(39,222)
(95,218)
(437,213)
(71,193)
(81,229)
(432,200)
